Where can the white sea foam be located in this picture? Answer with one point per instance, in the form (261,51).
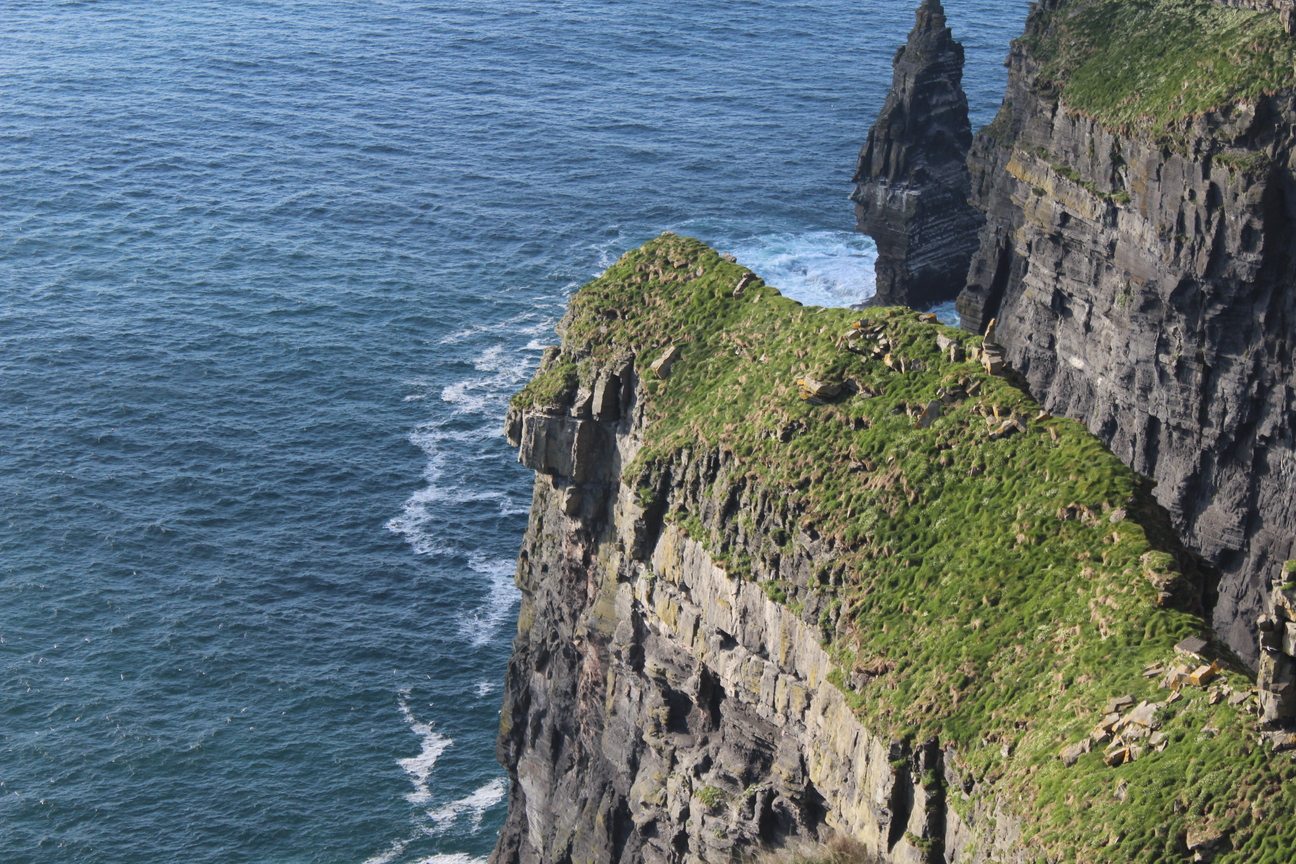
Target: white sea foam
(395,851)
(423,513)
(485,688)
(451,858)
(531,323)
(481,624)
(946,314)
(473,806)
(419,768)
(818,268)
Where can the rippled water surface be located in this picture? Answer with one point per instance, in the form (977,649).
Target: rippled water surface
(270,272)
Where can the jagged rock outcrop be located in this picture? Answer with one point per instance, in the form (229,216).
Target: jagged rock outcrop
(1277,678)
(1144,282)
(912,181)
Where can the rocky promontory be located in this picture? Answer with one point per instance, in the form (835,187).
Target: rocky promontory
(912,187)
(803,576)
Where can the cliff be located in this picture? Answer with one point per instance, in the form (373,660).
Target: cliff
(912,181)
(794,574)
(1138,254)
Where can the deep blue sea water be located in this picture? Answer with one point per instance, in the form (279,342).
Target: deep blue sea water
(270,271)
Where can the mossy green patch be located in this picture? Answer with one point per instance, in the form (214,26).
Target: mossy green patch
(1154,62)
(996,574)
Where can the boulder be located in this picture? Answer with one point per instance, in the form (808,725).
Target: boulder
(929,415)
(993,359)
(1145,715)
(991,333)
(816,388)
(1193,646)
(661,367)
(1119,704)
(1005,429)
(1205,843)
(1176,678)
(1071,755)
(1117,756)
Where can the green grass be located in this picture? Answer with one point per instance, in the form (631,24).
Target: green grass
(980,587)
(1133,63)
(711,796)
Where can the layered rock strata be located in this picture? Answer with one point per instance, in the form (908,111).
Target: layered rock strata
(912,180)
(1142,283)
(1277,678)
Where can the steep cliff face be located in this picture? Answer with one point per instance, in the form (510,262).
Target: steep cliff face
(660,710)
(912,180)
(1138,254)
(794,574)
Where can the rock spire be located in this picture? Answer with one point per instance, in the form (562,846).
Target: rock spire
(912,180)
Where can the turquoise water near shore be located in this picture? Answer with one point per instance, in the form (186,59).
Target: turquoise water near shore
(270,272)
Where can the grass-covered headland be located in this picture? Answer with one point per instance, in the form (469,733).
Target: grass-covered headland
(1152,63)
(997,576)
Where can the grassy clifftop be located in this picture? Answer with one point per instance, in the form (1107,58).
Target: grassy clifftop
(1154,62)
(997,576)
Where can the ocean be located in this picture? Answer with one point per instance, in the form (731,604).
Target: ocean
(270,272)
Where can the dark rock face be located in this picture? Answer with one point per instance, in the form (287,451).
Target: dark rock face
(912,180)
(1148,292)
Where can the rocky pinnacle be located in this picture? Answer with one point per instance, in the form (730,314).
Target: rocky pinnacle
(912,181)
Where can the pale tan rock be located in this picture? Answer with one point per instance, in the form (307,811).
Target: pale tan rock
(661,367)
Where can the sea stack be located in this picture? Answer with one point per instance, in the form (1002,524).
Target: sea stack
(912,186)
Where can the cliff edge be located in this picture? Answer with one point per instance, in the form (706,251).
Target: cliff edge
(795,574)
